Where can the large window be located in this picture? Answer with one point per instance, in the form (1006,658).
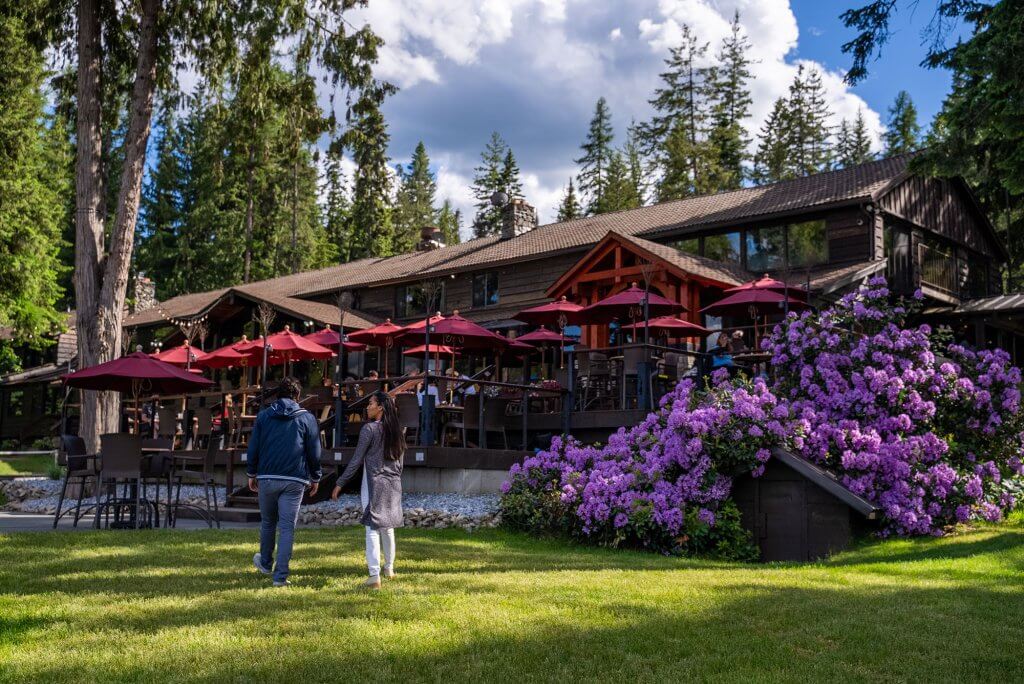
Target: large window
(485,289)
(724,247)
(412,300)
(766,249)
(688,246)
(807,244)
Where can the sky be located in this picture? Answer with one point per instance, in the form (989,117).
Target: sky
(533,69)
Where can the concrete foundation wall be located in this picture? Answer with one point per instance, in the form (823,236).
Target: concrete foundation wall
(466,481)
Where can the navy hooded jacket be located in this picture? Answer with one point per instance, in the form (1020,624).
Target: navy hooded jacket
(285,444)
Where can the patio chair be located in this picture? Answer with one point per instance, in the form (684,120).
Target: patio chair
(79,469)
(202,430)
(409,416)
(202,476)
(495,409)
(121,464)
(157,471)
(168,418)
(597,380)
(470,420)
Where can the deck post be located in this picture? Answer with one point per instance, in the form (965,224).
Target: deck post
(525,412)
(643,385)
(569,397)
(427,420)
(482,428)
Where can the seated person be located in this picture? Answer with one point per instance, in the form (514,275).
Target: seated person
(721,353)
(372,375)
(432,391)
(737,345)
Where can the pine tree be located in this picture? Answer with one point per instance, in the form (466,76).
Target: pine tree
(367,138)
(597,152)
(635,164)
(902,134)
(620,193)
(337,209)
(510,177)
(34,187)
(731,99)
(771,161)
(414,205)
(488,180)
(161,211)
(449,221)
(807,129)
(569,208)
(853,144)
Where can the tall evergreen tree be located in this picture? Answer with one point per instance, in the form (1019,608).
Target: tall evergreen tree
(569,208)
(633,156)
(807,128)
(902,134)
(414,204)
(337,209)
(449,221)
(730,95)
(34,186)
(620,192)
(771,161)
(367,138)
(489,179)
(853,144)
(511,180)
(161,211)
(597,153)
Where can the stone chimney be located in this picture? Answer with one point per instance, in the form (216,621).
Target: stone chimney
(517,217)
(430,239)
(145,293)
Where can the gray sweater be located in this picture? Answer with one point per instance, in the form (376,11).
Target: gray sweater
(383,478)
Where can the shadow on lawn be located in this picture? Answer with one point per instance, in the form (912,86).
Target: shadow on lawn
(742,631)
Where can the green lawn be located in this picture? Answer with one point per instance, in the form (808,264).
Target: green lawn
(154,605)
(25,465)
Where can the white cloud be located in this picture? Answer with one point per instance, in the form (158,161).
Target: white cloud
(615,34)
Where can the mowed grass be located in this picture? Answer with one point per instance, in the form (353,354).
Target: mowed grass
(154,606)
(25,465)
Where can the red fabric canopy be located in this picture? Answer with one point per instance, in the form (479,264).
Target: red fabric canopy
(434,349)
(455,331)
(766,282)
(628,305)
(138,374)
(182,355)
(288,346)
(552,313)
(225,357)
(676,327)
(542,336)
(329,338)
(758,302)
(382,335)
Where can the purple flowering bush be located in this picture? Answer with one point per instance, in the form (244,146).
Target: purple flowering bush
(929,440)
(661,485)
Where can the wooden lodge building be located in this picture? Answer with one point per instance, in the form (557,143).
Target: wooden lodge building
(828,232)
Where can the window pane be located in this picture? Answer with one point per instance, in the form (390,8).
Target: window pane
(688,246)
(485,289)
(724,247)
(765,249)
(492,289)
(808,244)
(479,285)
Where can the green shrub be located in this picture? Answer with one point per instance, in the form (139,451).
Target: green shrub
(54,472)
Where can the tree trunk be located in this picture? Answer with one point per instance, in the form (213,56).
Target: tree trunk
(247,260)
(101,302)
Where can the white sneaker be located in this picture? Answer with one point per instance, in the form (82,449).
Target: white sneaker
(257,560)
(283,583)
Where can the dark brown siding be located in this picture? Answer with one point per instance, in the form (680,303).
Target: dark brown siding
(849,236)
(940,206)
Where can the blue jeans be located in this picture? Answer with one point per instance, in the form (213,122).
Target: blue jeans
(279,509)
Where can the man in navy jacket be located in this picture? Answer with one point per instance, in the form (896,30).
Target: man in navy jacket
(283,460)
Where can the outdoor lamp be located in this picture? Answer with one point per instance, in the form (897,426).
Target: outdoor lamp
(499,198)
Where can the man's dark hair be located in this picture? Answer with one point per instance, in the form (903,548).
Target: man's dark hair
(289,388)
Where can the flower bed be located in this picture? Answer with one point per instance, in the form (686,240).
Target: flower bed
(932,440)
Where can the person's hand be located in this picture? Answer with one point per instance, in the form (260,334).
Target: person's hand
(336,493)
(253,485)
(313,487)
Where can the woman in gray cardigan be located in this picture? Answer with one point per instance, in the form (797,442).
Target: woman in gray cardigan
(380,450)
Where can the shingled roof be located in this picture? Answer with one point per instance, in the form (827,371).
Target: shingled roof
(834,188)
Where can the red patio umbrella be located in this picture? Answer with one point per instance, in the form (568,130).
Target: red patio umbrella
(330,338)
(543,337)
(675,327)
(382,336)
(183,355)
(136,374)
(224,357)
(753,302)
(434,349)
(293,347)
(766,282)
(453,331)
(560,312)
(629,305)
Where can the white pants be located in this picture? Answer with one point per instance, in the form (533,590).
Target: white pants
(376,538)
